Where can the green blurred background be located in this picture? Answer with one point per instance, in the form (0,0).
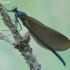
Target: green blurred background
(52,13)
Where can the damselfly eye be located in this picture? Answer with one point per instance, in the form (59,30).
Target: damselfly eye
(14,8)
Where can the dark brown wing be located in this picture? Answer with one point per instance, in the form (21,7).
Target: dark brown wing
(52,38)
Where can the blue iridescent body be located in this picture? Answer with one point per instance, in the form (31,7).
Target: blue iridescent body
(21,16)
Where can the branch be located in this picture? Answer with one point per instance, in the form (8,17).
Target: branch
(20,42)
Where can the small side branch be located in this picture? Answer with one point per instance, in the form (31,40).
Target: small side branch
(6,38)
(19,42)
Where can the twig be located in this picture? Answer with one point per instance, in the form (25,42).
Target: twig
(19,42)
(6,38)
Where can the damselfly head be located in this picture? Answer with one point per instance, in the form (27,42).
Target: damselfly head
(14,9)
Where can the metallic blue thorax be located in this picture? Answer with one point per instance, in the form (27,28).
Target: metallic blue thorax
(20,14)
